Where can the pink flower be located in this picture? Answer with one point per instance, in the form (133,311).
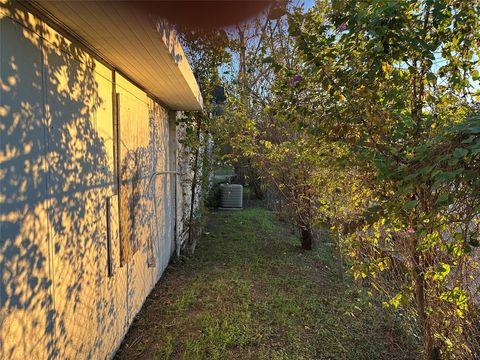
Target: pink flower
(342,27)
(410,231)
(295,80)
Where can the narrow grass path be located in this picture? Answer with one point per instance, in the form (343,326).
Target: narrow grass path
(251,293)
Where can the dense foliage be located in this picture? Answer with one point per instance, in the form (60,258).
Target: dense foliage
(393,83)
(367,120)
(206,51)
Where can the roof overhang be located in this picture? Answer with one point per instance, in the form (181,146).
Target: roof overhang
(136,43)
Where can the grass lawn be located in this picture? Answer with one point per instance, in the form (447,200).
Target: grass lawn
(250,292)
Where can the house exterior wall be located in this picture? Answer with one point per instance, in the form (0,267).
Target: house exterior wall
(63,213)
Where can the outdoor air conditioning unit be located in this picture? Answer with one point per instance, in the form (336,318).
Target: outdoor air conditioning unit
(231,196)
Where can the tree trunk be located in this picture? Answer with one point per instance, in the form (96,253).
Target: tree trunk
(239,169)
(191,239)
(340,256)
(254,181)
(307,238)
(430,352)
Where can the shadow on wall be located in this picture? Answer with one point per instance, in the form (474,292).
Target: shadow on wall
(53,171)
(56,170)
(170,39)
(140,181)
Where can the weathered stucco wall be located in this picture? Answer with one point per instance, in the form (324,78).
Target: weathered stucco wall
(57,177)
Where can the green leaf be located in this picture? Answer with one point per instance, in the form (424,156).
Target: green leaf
(444,200)
(470,139)
(397,300)
(410,205)
(445,175)
(441,272)
(460,153)
(372,214)
(428,242)
(431,77)
(474,242)
(437,184)
(268,60)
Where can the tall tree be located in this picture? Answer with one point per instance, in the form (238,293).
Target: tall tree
(207,52)
(394,83)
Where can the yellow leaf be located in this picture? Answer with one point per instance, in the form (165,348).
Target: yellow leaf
(386,67)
